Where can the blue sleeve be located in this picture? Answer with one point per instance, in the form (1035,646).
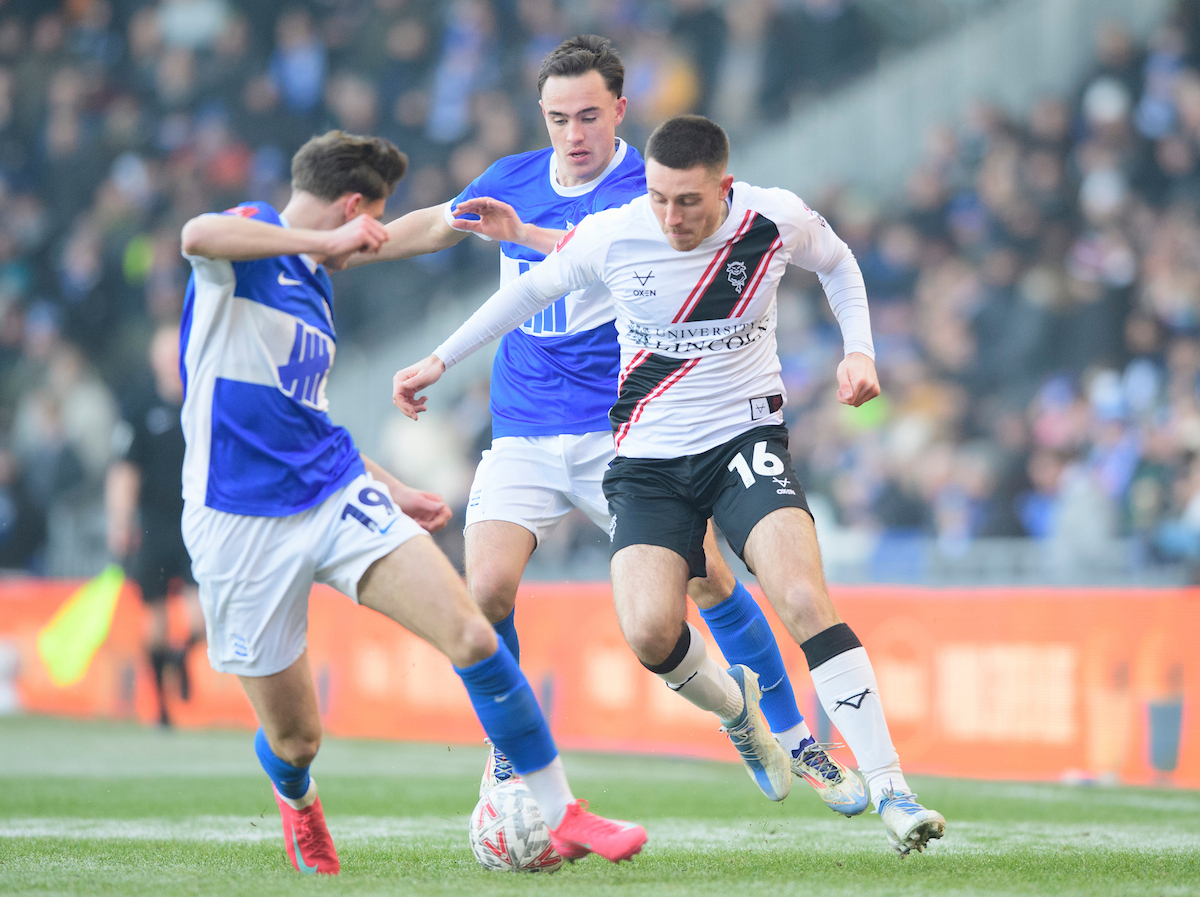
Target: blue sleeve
(621,191)
(481,186)
(256,211)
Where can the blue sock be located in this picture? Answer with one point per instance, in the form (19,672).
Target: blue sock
(507,630)
(505,704)
(743,635)
(291,781)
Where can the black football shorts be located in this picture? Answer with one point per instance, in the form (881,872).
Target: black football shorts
(668,502)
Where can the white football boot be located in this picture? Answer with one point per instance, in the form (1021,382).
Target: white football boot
(766,761)
(909,825)
(497,770)
(842,790)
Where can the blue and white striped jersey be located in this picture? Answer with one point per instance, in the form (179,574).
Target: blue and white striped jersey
(257,342)
(557,373)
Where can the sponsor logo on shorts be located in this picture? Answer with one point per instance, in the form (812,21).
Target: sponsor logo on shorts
(612,528)
(240,649)
(783,484)
(765,406)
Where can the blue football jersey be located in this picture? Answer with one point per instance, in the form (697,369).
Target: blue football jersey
(256,345)
(557,373)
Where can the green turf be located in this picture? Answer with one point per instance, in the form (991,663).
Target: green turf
(99,808)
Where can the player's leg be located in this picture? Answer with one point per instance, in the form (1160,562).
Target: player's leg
(286,745)
(516,499)
(416,586)
(733,616)
(496,552)
(397,570)
(254,577)
(744,637)
(763,513)
(782,550)
(657,543)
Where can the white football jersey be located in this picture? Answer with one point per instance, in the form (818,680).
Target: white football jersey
(697,329)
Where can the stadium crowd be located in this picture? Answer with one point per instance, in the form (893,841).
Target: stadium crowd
(1035,296)
(121,119)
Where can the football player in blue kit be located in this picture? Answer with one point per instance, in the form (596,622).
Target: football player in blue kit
(554,380)
(277,497)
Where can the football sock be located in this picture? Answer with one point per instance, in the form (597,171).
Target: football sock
(846,687)
(551,790)
(290,781)
(795,738)
(691,672)
(744,636)
(158,665)
(507,630)
(509,712)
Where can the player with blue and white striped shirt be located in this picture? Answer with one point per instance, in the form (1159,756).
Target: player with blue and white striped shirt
(554,380)
(278,497)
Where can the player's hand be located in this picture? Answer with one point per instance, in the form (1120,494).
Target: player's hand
(857,380)
(497,219)
(426,508)
(361,234)
(408,382)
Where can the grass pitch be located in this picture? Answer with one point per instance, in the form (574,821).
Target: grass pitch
(99,808)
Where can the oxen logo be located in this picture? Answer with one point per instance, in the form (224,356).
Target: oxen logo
(736,272)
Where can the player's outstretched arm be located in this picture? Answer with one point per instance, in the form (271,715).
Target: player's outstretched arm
(417,233)
(500,221)
(237,239)
(508,307)
(426,508)
(857,380)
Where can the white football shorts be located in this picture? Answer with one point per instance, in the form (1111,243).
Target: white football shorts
(533,481)
(255,573)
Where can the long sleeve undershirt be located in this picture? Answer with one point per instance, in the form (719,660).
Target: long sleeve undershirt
(520,299)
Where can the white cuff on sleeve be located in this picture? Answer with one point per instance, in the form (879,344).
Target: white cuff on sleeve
(449,216)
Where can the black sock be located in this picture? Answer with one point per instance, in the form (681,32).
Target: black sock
(159,658)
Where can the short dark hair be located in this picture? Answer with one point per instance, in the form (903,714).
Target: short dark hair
(582,54)
(686,141)
(337,163)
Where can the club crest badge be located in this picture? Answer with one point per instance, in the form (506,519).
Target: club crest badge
(736,272)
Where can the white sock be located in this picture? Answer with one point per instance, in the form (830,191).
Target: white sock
(702,681)
(881,782)
(551,790)
(309,798)
(848,691)
(790,739)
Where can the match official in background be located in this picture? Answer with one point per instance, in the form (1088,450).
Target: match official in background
(144,502)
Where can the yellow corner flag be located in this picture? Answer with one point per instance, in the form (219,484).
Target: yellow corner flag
(69,640)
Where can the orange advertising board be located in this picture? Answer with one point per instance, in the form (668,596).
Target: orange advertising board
(989,683)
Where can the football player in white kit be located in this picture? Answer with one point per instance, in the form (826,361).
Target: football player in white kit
(555,378)
(277,497)
(699,430)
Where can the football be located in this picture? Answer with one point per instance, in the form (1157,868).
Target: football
(508,834)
